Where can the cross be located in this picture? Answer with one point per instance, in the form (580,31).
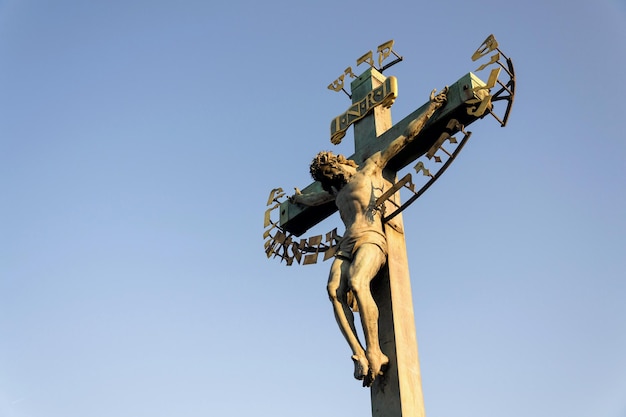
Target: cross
(398,391)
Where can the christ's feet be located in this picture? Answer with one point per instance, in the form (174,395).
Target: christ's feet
(377,362)
(361,366)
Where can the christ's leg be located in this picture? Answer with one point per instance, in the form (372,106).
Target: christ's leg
(367,261)
(338,292)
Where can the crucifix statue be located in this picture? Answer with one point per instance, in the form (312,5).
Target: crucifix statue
(369,273)
(362,250)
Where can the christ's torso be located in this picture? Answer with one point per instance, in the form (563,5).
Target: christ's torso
(356,201)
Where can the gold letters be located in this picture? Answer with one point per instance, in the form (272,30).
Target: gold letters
(367,58)
(487,46)
(482,102)
(337,85)
(384,50)
(485,104)
(280,244)
(381,96)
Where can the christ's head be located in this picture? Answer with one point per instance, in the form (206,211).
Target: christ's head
(332,170)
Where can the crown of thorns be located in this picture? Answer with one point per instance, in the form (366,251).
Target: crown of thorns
(325,158)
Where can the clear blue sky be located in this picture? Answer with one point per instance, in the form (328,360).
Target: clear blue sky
(139,141)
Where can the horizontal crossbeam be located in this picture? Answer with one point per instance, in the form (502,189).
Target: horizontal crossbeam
(298,219)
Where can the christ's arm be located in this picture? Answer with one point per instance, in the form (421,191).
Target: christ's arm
(413,129)
(311,199)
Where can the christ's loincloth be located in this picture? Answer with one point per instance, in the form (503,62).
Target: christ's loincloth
(348,246)
(354,239)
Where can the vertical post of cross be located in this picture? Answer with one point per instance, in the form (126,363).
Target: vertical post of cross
(397,393)
(371,126)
